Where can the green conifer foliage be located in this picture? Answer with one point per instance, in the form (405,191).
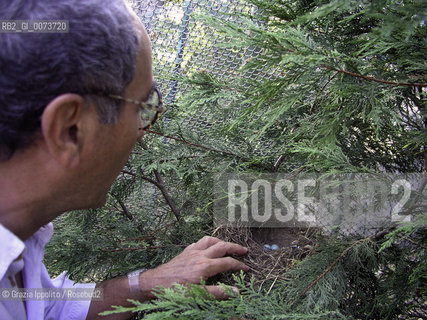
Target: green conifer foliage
(318,86)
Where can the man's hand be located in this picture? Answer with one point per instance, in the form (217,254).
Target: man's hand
(199,261)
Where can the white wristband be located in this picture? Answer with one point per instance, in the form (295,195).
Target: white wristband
(133,279)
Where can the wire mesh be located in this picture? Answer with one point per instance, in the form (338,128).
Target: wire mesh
(183,45)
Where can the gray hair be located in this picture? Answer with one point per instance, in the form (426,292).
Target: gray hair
(98,54)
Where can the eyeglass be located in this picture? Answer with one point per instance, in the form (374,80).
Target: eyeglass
(149,110)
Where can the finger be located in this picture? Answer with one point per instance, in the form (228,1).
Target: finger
(205,243)
(222,249)
(219,294)
(190,247)
(225,264)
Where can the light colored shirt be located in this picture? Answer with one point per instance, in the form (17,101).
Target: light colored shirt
(27,256)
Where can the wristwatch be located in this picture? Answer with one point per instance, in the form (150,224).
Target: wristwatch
(133,279)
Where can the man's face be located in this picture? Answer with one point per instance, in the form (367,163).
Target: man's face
(115,142)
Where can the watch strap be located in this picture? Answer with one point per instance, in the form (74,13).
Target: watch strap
(133,280)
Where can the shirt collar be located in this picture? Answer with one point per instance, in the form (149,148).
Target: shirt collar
(11,246)
(43,235)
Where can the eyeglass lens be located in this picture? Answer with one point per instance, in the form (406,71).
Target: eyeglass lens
(150,115)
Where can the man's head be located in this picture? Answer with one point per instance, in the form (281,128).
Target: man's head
(69,115)
(98,54)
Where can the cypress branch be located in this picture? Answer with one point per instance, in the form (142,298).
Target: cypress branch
(329,268)
(370,78)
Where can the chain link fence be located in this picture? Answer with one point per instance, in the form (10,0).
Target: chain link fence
(183,45)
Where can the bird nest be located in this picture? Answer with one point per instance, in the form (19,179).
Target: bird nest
(266,264)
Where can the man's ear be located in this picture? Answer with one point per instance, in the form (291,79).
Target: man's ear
(63,128)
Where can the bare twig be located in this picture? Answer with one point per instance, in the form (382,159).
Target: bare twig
(271,287)
(416,243)
(143,177)
(425,159)
(341,256)
(377,236)
(128,172)
(150,234)
(383,233)
(195,145)
(172,159)
(125,210)
(137,239)
(161,185)
(152,181)
(369,78)
(143,248)
(321,90)
(279,162)
(129,215)
(297,173)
